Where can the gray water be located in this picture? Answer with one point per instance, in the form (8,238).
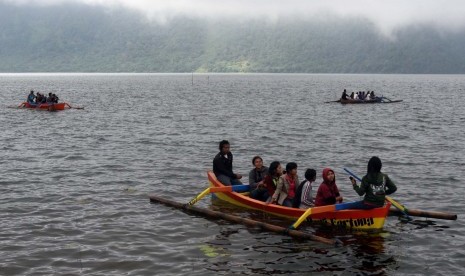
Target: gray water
(74,184)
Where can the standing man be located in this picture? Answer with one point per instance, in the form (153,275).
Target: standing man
(222,166)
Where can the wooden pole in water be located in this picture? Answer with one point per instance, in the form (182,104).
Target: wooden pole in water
(425,214)
(244,221)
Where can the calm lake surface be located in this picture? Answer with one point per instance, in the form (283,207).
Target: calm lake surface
(74,184)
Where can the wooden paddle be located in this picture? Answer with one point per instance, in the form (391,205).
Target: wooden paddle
(393,202)
(75,107)
(382,97)
(338,101)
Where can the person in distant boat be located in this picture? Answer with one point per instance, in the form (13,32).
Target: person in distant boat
(222,166)
(31,97)
(256,180)
(328,193)
(38,98)
(372,95)
(304,193)
(41,98)
(375,186)
(49,98)
(55,98)
(352,95)
(285,190)
(273,178)
(344,96)
(357,95)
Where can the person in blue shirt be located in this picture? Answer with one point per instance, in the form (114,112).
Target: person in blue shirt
(31,97)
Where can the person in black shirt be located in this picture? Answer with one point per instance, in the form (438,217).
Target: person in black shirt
(344,96)
(222,166)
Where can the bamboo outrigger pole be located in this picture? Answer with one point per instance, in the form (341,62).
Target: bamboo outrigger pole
(424,214)
(245,221)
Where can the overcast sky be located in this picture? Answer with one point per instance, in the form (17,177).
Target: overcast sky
(386,14)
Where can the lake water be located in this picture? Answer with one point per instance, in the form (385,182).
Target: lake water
(74,184)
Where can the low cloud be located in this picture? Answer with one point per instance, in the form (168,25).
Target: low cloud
(387,15)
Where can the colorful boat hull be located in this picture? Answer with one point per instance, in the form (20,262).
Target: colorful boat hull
(45,106)
(355,219)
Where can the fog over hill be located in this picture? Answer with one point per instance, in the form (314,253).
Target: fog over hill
(77,37)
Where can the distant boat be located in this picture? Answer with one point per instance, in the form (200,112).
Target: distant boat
(48,106)
(44,106)
(381,100)
(374,101)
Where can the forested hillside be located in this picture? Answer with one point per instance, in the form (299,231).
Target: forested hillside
(81,38)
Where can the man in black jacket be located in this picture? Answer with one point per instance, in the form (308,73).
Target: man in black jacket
(222,166)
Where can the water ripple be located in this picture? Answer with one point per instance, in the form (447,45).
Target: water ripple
(74,184)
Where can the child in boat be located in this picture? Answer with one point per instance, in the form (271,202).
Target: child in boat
(256,180)
(285,190)
(273,178)
(304,193)
(328,193)
(375,186)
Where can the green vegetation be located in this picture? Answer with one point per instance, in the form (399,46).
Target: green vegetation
(80,38)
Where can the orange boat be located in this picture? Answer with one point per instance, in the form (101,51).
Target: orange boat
(46,106)
(354,219)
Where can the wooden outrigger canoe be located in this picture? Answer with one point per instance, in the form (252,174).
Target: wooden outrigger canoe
(48,106)
(375,101)
(354,219)
(379,100)
(45,106)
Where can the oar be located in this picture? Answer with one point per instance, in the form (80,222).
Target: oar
(209,190)
(318,210)
(393,202)
(382,97)
(338,101)
(424,214)
(75,107)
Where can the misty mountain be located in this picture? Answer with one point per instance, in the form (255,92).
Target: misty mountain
(81,38)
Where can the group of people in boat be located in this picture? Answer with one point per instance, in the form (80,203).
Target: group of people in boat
(360,95)
(277,186)
(41,98)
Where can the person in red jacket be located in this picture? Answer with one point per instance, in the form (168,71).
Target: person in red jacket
(328,193)
(273,178)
